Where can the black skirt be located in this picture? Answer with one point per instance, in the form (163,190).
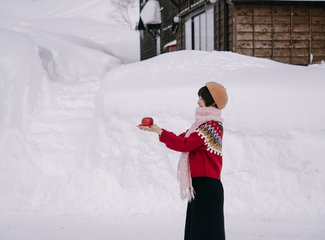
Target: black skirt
(204,216)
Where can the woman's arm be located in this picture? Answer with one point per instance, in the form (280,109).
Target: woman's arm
(179,143)
(174,142)
(182,134)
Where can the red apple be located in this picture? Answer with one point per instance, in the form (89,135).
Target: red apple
(147,121)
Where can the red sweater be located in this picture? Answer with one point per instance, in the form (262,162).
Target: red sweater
(204,146)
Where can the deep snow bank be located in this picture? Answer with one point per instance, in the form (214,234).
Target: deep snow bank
(21,89)
(53,57)
(57,156)
(274,132)
(75,25)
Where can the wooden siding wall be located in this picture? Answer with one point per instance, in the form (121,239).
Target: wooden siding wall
(148,43)
(317,31)
(288,33)
(168,12)
(180,36)
(230,27)
(219,26)
(147,46)
(223,26)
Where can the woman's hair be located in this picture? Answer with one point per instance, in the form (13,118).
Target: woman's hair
(206,96)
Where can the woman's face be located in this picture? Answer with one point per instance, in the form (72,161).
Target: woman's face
(201,102)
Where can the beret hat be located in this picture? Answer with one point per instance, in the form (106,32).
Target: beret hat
(218,93)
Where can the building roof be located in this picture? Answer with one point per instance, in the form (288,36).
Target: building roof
(170,44)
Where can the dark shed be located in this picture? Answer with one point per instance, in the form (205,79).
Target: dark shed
(286,31)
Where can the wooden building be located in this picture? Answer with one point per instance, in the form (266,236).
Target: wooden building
(152,45)
(286,31)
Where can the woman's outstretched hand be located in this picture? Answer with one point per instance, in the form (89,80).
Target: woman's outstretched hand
(152,128)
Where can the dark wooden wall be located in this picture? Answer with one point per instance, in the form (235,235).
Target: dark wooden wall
(223,26)
(289,32)
(284,32)
(147,46)
(147,42)
(180,36)
(168,13)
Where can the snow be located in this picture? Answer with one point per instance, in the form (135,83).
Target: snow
(170,44)
(51,65)
(150,13)
(147,227)
(74,166)
(273,126)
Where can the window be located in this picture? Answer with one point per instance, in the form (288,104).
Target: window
(210,29)
(199,31)
(188,34)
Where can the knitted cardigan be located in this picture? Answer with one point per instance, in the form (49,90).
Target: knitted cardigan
(204,147)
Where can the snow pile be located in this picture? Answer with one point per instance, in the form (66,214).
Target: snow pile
(274,131)
(76,26)
(150,13)
(63,151)
(53,57)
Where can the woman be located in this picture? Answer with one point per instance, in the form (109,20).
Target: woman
(200,164)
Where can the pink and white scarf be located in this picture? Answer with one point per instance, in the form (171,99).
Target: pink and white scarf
(202,115)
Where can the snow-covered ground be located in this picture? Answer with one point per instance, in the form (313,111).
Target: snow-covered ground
(74,166)
(274,125)
(273,144)
(160,227)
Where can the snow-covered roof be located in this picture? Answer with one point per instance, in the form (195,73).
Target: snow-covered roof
(150,13)
(170,44)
